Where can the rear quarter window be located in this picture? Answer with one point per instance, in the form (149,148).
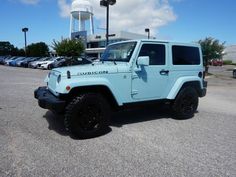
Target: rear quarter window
(185,55)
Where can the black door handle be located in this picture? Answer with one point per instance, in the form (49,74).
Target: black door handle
(164,72)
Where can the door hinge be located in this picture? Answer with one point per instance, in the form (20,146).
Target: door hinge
(135,76)
(134,92)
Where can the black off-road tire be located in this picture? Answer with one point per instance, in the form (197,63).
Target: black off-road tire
(60,113)
(186,103)
(87,116)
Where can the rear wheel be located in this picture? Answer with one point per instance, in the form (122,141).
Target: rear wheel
(87,116)
(186,103)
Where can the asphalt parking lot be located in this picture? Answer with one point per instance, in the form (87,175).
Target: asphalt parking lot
(145,142)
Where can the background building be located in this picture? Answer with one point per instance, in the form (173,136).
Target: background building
(96,43)
(230,53)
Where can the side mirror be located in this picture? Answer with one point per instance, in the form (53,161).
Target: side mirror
(143,61)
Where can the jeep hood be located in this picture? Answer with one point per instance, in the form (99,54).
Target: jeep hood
(94,69)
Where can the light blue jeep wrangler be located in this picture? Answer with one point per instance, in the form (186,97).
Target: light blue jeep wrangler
(129,72)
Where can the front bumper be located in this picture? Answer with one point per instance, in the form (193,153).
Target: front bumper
(42,66)
(47,100)
(204,90)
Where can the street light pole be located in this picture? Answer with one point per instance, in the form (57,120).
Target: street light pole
(147,30)
(107,28)
(106,3)
(25,30)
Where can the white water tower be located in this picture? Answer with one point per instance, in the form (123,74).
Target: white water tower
(81,16)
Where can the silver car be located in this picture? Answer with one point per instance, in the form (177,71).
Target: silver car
(34,64)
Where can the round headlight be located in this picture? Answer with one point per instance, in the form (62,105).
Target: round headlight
(58,78)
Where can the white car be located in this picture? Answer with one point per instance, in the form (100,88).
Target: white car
(34,64)
(44,64)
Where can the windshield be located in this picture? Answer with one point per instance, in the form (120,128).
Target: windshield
(119,52)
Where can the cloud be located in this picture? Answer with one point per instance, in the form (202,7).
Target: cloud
(177,0)
(30,1)
(131,15)
(64,8)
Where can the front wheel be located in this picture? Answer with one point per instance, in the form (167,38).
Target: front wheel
(87,116)
(186,103)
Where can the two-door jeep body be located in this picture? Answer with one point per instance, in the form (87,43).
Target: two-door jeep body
(135,71)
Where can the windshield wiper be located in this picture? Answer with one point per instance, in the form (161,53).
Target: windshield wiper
(111,59)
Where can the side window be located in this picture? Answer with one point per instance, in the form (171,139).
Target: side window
(156,53)
(184,55)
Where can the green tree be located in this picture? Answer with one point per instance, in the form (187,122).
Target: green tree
(211,49)
(6,48)
(39,49)
(68,47)
(17,52)
(20,52)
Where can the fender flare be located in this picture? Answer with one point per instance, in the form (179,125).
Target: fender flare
(181,82)
(89,82)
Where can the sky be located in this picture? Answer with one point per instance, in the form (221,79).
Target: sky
(175,20)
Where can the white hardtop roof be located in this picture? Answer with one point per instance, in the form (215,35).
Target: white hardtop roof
(160,41)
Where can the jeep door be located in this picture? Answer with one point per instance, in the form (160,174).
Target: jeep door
(150,81)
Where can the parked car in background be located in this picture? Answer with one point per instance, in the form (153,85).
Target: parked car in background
(234,73)
(216,62)
(8,60)
(2,59)
(14,62)
(70,62)
(26,62)
(44,64)
(18,63)
(34,64)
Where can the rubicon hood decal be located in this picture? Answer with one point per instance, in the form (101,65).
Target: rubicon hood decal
(92,73)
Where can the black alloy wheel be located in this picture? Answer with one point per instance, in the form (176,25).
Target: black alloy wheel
(87,116)
(186,103)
